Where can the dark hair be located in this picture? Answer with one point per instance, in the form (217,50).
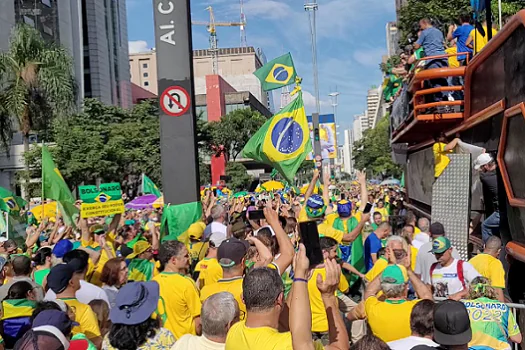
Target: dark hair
(291,225)
(270,242)
(327,243)
(168,250)
(43,306)
(264,232)
(126,230)
(19,290)
(123,336)
(422,318)
(21,265)
(464,18)
(82,259)
(377,213)
(261,287)
(370,342)
(10,243)
(110,271)
(41,255)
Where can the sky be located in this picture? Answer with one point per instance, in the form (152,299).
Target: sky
(351,40)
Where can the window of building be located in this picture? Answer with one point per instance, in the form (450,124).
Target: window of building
(144,65)
(29,21)
(145,75)
(146,83)
(48,30)
(202,112)
(46,2)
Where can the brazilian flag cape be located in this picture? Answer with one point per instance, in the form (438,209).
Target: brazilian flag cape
(356,250)
(140,270)
(15,308)
(283,141)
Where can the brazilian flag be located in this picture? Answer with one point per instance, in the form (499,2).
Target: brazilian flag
(277,73)
(140,270)
(10,203)
(283,141)
(149,187)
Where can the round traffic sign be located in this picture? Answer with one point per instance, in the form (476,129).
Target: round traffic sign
(175,101)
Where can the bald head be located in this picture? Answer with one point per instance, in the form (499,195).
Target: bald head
(492,246)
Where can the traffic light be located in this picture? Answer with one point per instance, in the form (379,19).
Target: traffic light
(316,135)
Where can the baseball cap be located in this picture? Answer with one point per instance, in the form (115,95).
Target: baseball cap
(437,229)
(97,229)
(139,248)
(451,323)
(344,208)
(394,274)
(315,206)
(440,245)
(55,318)
(59,277)
(238,227)
(135,303)
(232,251)
(62,247)
(196,230)
(483,159)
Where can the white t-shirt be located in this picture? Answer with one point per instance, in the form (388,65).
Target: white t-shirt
(409,342)
(85,294)
(425,259)
(193,342)
(445,280)
(215,227)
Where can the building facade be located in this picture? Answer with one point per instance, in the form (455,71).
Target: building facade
(347,152)
(105,47)
(236,66)
(392,39)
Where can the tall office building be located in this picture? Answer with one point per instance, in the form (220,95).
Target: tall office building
(58,21)
(348,147)
(106,59)
(373,104)
(359,126)
(392,38)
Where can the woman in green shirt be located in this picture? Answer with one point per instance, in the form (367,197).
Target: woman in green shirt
(42,261)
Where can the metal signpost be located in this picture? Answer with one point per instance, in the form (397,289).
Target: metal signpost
(180,170)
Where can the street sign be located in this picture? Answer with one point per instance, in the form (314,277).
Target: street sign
(179,157)
(175,101)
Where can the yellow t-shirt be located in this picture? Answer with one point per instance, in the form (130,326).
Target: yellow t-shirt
(231,285)
(490,267)
(479,41)
(241,337)
(440,158)
(85,316)
(326,230)
(197,250)
(395,314)
(383,212)
(95,271)
(416,232)
(377,269)
(452,60)
(209,271)
(319,319)
(413,257)
(179,303)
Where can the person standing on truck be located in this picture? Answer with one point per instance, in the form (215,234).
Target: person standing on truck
(440,149)
(461,33)
(487,167)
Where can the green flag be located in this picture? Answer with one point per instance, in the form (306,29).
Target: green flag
(140,270)
(149,187)
(54,187)
(277,73)
(11,203)
(283,141)
(176,219)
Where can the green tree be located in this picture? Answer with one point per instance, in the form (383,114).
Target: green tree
(233,131)
(240,180)
(37,84)
(373,151)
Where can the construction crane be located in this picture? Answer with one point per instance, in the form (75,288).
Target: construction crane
(211,27)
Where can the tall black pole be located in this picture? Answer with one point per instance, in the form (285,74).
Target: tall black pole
(488,11)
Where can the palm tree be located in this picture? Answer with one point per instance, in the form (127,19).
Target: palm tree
(36,84)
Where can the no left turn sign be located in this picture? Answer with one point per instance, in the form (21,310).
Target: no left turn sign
(175,101)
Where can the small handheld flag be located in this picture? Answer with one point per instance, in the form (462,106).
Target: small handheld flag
(149,187)
(283,141)
(277,73)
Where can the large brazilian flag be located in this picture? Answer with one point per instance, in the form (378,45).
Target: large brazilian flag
(283,141)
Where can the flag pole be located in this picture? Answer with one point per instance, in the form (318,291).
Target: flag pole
(42,189)
(6,225)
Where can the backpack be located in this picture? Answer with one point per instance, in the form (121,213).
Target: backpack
(461,275)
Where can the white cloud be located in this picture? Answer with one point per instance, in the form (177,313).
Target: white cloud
(138,46)
(369,57)
(271,9)
(309,100)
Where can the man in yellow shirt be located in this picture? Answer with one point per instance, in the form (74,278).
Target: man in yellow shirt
(478,38)
(196,246)
(440,150)
(208,270)
(395,310)
(489,266)
(231,256)
(179,304)
(63,281)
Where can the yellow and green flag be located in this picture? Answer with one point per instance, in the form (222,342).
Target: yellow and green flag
(54,187)
(140,270)
(13,308)
(11,203)
(149,187)
(283,141)
(277,73)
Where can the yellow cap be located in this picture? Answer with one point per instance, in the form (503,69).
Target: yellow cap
(139,248)
(196,230)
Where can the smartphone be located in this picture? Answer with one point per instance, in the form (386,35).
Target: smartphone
(310,239)
(368,208)
(256,214)
(214,192)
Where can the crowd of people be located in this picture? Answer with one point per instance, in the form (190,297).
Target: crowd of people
(242,278)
